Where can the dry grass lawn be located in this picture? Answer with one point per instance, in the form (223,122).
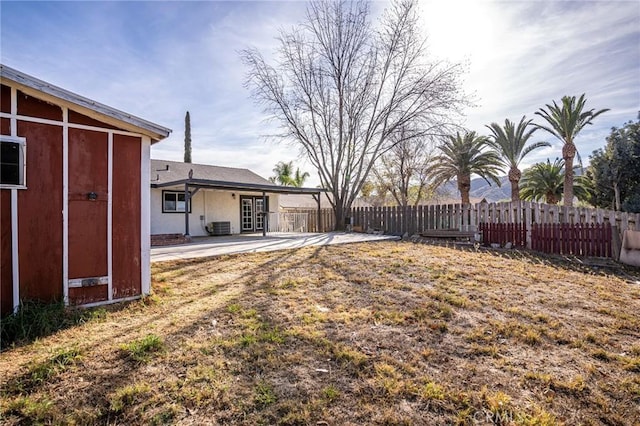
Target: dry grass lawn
(374,333)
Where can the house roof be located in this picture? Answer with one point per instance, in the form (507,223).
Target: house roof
(34,86)
(165,174)
(163,171)
(295,201)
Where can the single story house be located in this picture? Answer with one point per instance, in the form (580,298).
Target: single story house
(74,196)
(198,200)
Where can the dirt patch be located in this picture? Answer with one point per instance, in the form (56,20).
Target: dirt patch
(372,333)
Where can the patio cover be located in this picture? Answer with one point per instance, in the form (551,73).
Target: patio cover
(192,185)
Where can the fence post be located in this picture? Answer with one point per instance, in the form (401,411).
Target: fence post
(528,223)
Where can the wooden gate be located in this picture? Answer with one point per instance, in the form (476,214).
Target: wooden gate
(579,239)
(502,233)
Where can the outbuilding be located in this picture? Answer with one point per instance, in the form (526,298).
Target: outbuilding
(74,196)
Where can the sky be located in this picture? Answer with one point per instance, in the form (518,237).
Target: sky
(159,59)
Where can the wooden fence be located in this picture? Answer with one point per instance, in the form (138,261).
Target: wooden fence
(579,239)
(502,233)
(415,219)
(327,219)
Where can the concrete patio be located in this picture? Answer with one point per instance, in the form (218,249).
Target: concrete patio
(251,243)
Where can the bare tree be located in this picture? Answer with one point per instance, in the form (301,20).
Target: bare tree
(374,194)
(341,87)
(403,169)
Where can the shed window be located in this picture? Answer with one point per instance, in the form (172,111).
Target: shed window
(174,202)
(12,162)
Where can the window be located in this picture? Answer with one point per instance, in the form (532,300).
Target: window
(174,202)
(12,162)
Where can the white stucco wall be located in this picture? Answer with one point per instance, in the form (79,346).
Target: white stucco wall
(215,206)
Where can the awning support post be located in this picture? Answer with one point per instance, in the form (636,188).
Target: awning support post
(187,202)
(319,215)
(265,213)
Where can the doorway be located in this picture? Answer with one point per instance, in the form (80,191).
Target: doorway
(252,213)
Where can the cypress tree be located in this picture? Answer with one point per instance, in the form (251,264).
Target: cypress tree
(187,138)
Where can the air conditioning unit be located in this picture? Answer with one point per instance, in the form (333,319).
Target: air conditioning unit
(218,228)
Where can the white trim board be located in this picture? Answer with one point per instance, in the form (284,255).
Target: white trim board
(109,302)
(65,207)
(15,252)
(66,121)
(110,216)
(145,216)
(88,282)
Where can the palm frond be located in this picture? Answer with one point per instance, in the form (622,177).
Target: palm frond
(463,155)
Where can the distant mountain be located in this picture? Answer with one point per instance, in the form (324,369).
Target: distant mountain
(481,189)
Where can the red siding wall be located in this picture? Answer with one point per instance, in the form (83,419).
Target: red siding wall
(126,216)
(88,172)
(6,273)
(82,295)
(77,118)
(34,107)
(6,278)
(40,213)
(5,100)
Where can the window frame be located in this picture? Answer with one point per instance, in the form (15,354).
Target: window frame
(176,193)
(22,162)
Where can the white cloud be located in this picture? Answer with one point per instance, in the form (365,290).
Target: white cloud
(525,54)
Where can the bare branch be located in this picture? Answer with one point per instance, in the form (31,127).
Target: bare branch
(348,91)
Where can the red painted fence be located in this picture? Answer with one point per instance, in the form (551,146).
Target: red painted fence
(502,233)
(578,239)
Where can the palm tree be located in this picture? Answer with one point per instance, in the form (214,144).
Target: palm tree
(299,178)
(545,181)
(462,156)
(283,172)
(565,123)
(284,175)
(509,141)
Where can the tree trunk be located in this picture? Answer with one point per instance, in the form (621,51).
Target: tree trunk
(464,186)
(568,153)
(465,197)
(550,198)
(514,178)
(616,193)
(340,210)
(339,215)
